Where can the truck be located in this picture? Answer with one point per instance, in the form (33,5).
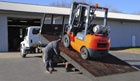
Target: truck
(32,41)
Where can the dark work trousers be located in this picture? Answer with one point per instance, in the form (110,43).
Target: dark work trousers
(49,59)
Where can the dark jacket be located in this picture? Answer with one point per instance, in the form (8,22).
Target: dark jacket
(51,49)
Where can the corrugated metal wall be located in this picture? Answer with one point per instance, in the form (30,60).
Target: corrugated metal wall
(3,34)
(122,32)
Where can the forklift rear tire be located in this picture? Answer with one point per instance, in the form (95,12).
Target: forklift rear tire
(84,53)
(66,40)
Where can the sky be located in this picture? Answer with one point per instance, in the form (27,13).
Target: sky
(125,6)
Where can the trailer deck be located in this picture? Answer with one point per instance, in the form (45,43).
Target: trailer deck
(96,69)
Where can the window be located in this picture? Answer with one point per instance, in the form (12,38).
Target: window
(35,30)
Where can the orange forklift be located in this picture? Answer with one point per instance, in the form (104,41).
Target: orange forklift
(83,34)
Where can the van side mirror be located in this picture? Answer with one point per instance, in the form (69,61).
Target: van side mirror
(21,33)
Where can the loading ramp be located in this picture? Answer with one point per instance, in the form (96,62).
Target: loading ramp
(106,69)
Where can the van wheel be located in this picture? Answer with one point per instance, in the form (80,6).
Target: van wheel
(84,53)
(22,52)
(43,58)
(66,40)
(24,55)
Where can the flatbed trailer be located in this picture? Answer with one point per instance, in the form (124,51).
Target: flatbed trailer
(108,68)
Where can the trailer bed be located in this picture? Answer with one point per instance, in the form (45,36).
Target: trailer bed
(108,65)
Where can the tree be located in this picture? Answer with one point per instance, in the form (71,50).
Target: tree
(112,9)
(63,3)
(137,13)
(60,4)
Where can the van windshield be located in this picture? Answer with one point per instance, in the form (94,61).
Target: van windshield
(35,31)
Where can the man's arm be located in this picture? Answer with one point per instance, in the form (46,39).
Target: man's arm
(56,49)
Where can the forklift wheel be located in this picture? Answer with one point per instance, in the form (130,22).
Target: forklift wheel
(66,41)
(84,53)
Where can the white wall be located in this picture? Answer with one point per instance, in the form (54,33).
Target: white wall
(3,34)
(122,32)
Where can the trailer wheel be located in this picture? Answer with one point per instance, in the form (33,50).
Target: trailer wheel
(84,53)
(66,41)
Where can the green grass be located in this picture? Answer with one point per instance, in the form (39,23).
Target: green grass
(123,48)
(136,48)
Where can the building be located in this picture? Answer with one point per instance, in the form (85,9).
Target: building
(15,17)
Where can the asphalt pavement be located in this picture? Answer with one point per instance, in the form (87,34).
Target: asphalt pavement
(132,59)
(15,68)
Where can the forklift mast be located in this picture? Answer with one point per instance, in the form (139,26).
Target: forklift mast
(82,16)
(79,17)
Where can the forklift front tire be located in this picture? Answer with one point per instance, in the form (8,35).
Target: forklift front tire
(84,53)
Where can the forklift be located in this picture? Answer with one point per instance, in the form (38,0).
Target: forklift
(83,34)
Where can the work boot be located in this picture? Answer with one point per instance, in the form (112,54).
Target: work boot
(54,69)
(48,71)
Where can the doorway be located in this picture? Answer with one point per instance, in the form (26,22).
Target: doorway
(16,28)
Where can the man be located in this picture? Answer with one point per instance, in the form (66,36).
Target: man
(49,51)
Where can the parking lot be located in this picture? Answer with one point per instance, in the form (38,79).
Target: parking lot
(15,68)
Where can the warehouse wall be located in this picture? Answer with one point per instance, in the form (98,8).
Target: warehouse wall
(3,33)
(122,33)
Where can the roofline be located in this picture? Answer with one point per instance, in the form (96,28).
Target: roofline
(61,11)
(33,12)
